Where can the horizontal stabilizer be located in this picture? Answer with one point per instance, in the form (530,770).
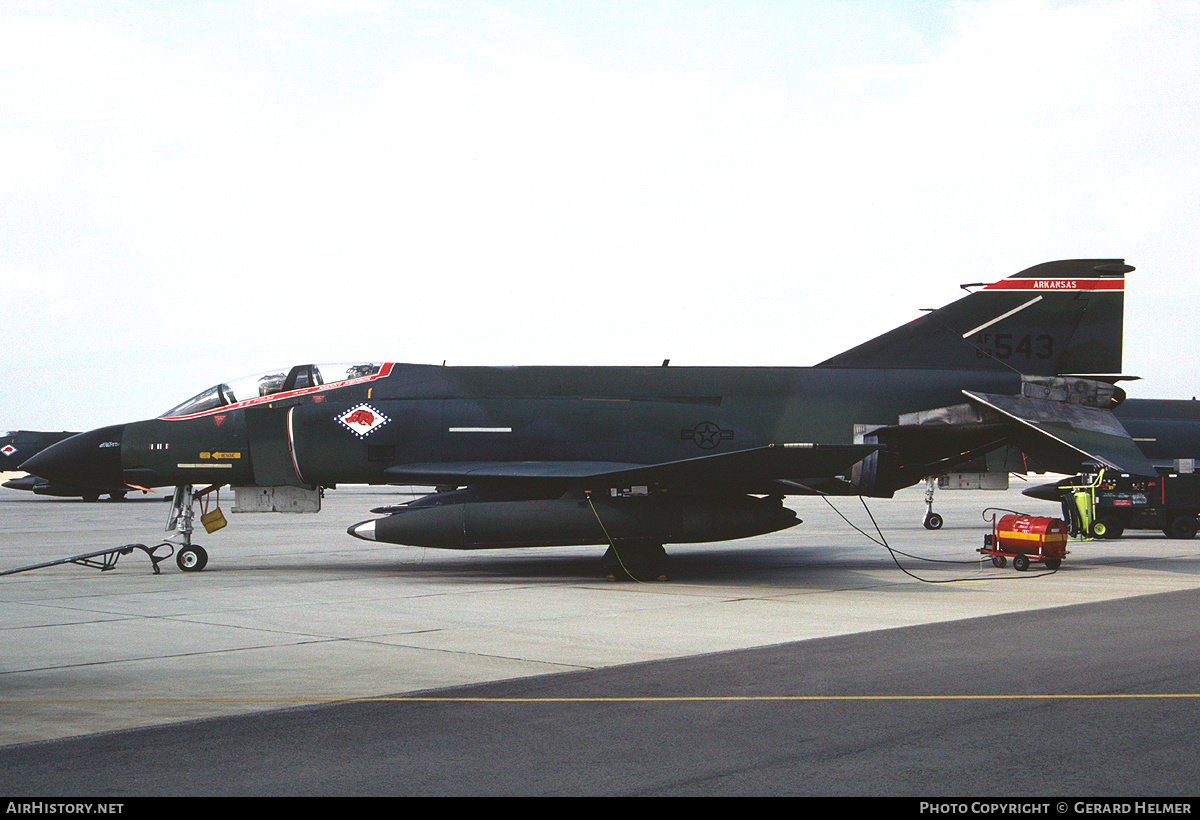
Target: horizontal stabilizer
(1092,431)
(741,467)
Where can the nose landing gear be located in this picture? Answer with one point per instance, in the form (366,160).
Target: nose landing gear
(189,557)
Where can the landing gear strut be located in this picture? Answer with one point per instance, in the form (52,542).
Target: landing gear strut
(933,521)
(189,557)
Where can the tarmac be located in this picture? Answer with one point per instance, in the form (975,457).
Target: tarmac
(268,671)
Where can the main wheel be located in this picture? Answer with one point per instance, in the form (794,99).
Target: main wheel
(635,560)
(999,561)
(933,521)
(1020,563)
(1053,563)
(191,559)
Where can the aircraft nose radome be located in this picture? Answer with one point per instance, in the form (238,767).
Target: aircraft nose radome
(91,459)
(365,530)
(1044,492)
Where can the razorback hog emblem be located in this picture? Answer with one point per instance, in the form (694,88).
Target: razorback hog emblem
(362,420)
(363,417)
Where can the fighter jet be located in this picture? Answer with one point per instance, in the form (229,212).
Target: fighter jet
(638,457)
(17,446)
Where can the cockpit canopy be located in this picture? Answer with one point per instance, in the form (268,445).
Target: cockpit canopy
(271,382)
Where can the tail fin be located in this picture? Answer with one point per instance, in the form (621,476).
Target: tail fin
(1056,318)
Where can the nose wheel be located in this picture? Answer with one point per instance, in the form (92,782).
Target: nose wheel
(191,558)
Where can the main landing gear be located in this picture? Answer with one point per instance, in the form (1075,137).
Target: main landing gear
(933,521)
(635,560)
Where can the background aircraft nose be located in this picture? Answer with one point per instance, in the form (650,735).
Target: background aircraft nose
(1046,492)
(91,459)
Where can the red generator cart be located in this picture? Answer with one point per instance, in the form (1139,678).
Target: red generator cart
(1025,539)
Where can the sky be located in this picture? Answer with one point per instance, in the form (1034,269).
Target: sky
(192,192)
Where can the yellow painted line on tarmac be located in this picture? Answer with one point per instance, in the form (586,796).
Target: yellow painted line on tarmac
(630,699)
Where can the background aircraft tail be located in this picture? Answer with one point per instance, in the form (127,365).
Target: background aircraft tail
(1056,318)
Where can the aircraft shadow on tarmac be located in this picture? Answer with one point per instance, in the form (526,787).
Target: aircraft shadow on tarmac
(801,567)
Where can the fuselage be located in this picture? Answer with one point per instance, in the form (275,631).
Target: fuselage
(426,414)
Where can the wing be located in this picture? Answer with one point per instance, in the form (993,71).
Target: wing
(740,470)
